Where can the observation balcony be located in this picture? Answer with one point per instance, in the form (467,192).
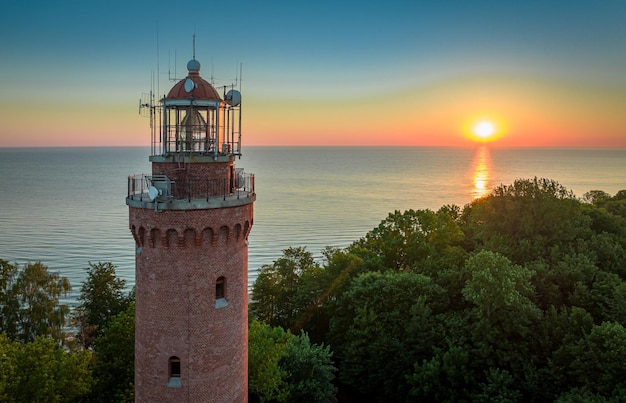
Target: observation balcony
(158,192)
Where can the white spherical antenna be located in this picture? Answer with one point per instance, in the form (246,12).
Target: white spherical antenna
(153,192)
(189,85)
(233,98)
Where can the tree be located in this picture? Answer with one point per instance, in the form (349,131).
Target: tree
(559,335)
(504,330)
(447,376)
(266,379)
(30,301)
(404,240)
(114,363)
(382,326)
(41,371)
(496,284)
(596,197)
(615,205)
(9,304)
(599,360)
(526,221)
(498,388)
(283,367)
(309,370)
(322,288)
(101,298)
(8,358)
(603,296)
(275,291)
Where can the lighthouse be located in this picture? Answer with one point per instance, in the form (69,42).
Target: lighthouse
(190,219)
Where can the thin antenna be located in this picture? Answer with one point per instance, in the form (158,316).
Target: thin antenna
(169,66)
(237,83)
(194,44)
(158,79)
(152,101)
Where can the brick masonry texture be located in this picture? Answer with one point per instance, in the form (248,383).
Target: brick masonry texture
(175,171)
(180,255)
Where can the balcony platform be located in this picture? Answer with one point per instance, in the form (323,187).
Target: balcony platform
(161,204)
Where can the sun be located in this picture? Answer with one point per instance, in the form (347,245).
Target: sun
(484,129)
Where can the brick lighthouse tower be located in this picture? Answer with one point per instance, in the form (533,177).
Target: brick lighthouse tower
(190,219)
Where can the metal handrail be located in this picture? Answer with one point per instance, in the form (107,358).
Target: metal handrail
(240,186)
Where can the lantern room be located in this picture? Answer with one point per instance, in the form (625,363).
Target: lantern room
(197,120)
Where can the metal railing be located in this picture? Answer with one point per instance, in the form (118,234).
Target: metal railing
(197,145)
(139,187)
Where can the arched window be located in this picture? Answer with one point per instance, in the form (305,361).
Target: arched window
(220,286)
(174,372)
(220,293)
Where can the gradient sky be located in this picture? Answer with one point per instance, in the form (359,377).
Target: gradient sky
(547,73)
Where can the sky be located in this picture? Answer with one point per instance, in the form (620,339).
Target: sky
(350,73)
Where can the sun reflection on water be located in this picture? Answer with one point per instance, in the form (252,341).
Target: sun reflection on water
(481,168)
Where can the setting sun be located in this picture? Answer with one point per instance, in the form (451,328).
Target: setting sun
(484,129)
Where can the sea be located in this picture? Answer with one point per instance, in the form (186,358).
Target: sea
(65,207)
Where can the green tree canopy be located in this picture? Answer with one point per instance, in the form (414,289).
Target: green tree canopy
(526,221)
(407,239)
(114,359)
(30,302)
(515,298)
(283,367)
(599,359)
(496,284)
(309,370)
(102,296)
(384,324)
(41,371)
(275,293)
(266,379)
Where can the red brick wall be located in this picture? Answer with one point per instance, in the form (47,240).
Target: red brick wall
(180,255)
(176,171)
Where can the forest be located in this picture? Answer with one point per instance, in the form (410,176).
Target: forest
(518,296)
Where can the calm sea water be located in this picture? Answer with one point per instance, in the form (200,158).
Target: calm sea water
(65,206)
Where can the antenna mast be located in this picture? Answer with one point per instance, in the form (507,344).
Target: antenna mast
(158,89)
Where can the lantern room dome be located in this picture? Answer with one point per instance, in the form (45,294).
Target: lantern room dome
(193,86)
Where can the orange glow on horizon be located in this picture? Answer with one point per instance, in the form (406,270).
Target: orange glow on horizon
(536,114)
